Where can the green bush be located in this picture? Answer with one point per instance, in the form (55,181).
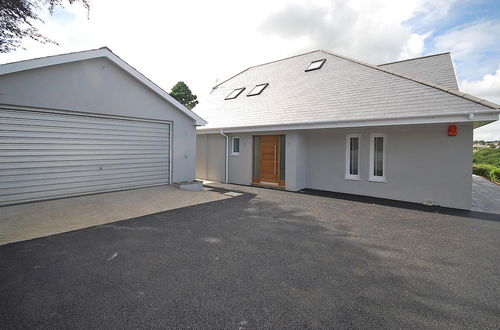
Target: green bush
(487,156)
(489,172)
(495,175)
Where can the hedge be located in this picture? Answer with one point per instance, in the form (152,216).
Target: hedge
(489,172)
(487,156)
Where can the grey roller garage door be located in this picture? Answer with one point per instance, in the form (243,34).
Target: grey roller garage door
(48,154)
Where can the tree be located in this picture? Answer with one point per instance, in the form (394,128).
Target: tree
(17,19)
(183,94)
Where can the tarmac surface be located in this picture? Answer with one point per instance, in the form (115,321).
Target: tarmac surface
(262,259)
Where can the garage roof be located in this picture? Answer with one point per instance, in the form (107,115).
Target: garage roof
(97,53)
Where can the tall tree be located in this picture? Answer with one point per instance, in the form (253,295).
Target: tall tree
(17,19)
(183,94)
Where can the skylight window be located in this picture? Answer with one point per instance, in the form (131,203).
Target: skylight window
(316,65)
(258,89)
(235,93)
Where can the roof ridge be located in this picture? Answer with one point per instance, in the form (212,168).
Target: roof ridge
(266,63)
(423,82)
(415,58)
(61,54)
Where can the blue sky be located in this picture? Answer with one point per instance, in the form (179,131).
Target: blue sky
(463,14)
(169,41)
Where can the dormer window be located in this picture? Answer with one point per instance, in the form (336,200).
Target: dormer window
(258,89)
(316,65)
(235,93)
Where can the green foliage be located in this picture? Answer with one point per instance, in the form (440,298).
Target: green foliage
(489,172)
(489,156)
(482,170)
(183,94)
(17,18)
(495,175)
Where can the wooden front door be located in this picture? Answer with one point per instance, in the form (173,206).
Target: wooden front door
(270,160)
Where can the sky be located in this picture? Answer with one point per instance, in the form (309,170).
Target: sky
(205,42)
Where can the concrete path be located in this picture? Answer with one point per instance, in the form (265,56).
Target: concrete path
(485,195)
(32,220)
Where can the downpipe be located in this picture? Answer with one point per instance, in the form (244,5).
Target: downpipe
(226,154)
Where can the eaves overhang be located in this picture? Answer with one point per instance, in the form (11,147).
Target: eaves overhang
(478,118)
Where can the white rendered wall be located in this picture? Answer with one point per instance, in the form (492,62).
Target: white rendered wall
(210,157)
(100,87)
(423,164)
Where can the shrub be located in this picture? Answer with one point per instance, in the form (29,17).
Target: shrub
(487,156)
(489,172)
(495,175)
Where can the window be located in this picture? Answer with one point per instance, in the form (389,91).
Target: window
(352,156)
(377,157)
(315,65)
(235,146)
(258,89)
(235,93)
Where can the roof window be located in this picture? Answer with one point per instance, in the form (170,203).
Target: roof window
(258,89)
(316,65)
(235,93)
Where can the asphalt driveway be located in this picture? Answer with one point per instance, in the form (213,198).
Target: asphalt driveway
(485,195)
(264,259)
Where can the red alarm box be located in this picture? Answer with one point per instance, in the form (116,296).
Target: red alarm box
(452,130)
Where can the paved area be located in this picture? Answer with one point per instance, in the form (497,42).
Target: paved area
(28,221)
(485,195)
(263,260)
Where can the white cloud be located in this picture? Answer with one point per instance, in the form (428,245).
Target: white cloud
(487,88)
(490,132)
(414,46)
(374,31)
(469,39)
(474,47)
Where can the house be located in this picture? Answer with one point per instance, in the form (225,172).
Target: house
(88,122)
(318,120)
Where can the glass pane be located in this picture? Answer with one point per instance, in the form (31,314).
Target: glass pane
(236,145)
(257,89)
(256,153)
(234,94)
(315,65)
(282,157)
(378,159)
(353,162)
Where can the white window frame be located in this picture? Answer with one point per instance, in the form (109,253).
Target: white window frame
(312,67)
(235,93)
(348,175)
(232,145)
(371,176)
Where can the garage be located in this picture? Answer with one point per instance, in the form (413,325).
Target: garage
(48,155)
(86,123)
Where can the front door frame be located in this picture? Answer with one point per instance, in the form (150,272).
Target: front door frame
(258,179)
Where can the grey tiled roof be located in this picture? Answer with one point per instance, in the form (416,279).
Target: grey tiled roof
(343,89)
(435,68)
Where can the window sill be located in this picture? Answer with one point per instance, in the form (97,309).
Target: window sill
(234,154)
(383,180)
(353,178)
